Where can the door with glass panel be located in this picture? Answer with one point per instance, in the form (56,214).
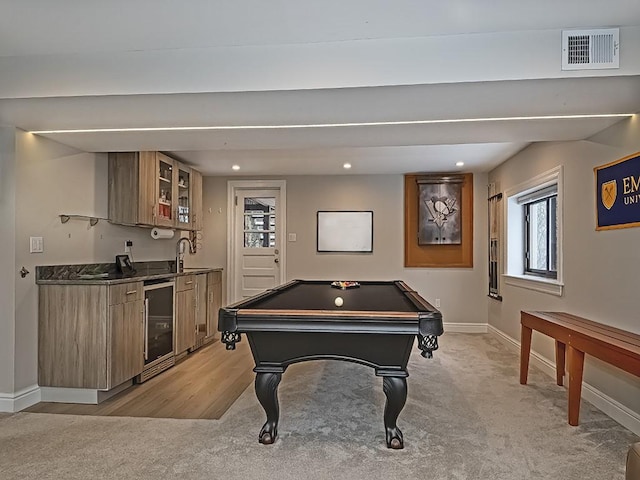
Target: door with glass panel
(258,225)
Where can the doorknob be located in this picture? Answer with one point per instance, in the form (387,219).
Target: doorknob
(276,260)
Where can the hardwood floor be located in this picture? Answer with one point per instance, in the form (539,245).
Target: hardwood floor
(202,385)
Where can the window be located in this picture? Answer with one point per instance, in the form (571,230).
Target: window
(540,232)
(533,233)
(259,222)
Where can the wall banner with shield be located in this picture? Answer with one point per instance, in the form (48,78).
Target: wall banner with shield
(618,193)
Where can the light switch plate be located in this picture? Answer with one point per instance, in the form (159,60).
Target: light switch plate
(36,245)
(292,237)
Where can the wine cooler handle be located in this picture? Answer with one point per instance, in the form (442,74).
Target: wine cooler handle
(146,329)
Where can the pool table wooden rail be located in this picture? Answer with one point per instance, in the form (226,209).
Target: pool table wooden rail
(574,336)
(401,323)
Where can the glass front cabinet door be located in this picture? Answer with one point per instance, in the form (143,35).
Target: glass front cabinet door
(166,177)
(183,212)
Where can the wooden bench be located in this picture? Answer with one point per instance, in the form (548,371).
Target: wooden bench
(574,337)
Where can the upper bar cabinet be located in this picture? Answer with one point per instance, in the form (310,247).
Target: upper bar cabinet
(155,190)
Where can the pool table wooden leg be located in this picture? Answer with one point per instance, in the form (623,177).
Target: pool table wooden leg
(267,393)
(395,388)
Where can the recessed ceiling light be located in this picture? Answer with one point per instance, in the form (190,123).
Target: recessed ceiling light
(459,164)
(346,166)
(235,167)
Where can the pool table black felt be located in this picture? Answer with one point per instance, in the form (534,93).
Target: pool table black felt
(320,295)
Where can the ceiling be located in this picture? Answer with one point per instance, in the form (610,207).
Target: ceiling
(294,88)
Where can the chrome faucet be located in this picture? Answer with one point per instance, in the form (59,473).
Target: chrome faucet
(180,253)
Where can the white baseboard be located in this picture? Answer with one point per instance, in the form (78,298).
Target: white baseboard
(535,358)
(14,402)
(621,414)
(465,327)
(69,395)
(80,395)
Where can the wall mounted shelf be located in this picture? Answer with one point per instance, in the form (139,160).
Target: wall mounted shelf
(64,218)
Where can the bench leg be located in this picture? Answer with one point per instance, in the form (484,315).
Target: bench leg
(525,350)
(560,365)
(576,367)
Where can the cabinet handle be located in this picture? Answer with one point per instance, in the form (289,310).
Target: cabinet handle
(189,282)
(131,292)
(146,329)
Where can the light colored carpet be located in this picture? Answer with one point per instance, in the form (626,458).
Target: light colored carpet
(466,417)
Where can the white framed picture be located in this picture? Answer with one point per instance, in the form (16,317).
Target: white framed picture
(345,231)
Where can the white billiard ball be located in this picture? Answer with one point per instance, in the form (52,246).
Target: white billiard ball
(338,301)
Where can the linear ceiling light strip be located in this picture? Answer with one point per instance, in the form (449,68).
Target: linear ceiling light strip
(333,125)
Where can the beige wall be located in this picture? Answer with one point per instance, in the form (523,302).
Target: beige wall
(51,179)
(600,268)
(384,195)
(8,272)
(41,179)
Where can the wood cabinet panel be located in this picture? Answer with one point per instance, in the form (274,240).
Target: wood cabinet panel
(90,336)
(126,341)
(196,200)
(132,194)
(184,282)
(126,292)
(124,181)
(201,306)
(185,324)
(214,301)
(147,195)
(72,336)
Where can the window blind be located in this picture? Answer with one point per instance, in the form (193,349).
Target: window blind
(539,194)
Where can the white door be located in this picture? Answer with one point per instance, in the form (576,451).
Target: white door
(257,241)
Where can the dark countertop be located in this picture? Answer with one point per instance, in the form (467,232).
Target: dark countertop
(106,274)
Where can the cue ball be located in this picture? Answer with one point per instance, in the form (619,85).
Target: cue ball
(338,301)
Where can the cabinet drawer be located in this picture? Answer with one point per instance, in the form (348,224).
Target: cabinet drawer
(184,282)
(125,292)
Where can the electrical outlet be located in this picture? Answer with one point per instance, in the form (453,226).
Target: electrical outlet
(437,303)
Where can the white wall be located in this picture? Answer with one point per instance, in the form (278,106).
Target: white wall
(600,268)
(314,65)
(384,194)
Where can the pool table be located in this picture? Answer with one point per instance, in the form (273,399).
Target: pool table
(375,324)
